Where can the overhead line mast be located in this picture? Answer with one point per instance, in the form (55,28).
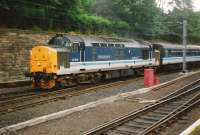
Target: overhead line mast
(184,45)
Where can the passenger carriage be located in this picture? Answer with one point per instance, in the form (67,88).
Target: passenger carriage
(173,53)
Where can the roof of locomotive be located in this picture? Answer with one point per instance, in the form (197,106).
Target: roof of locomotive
(127,42)
(177,46)
(88,40)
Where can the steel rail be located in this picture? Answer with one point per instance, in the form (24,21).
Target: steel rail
(194,101)
(182,89)
(178,91)
(102,129)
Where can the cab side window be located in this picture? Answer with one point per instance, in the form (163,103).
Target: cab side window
(74,47)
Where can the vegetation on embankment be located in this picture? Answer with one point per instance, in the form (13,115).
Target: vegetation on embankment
(128,18)
(196,131)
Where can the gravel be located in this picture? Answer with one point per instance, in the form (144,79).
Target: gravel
(15,90)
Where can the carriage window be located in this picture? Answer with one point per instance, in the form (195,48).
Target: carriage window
(110,45)
(197,53)
(95,44)
(179,54)
(74,47)
(119,54)
(122,45)
(145,54)
(103,45)
(117,45)
(188,53)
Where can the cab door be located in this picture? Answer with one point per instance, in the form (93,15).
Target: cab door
(82,51)
(74,52)
(63,60)
(78,52)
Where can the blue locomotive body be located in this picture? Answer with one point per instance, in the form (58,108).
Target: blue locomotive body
(92,53)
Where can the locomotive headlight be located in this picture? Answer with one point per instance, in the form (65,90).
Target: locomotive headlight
(38,64)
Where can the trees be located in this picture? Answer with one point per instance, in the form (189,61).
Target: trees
(26,13)
(143,16)
(183,11)
(132,18)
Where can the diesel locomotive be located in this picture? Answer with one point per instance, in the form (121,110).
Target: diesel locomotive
(70,59)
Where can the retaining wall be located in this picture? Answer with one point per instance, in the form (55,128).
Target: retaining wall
(15,46)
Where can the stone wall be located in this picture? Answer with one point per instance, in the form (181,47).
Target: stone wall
(15,46)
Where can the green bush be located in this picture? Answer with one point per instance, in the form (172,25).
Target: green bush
(99,24)
(196,131)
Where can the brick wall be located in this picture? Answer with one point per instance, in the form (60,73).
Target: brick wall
(14,52)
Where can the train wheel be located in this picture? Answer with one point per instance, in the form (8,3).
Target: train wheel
(47,84)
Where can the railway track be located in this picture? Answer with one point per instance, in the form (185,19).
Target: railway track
(15,84)
(31,92)
(153,118)
(33,99)
(26,100)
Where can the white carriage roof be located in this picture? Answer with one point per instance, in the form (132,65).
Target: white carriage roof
(176,46)
(88,40)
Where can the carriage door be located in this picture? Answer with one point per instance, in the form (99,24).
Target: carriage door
(157,57)
(82,51)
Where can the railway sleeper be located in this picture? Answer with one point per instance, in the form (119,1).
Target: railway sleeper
(178,103)
(166,109)
(136,125)
(156,115)
(116,132)
(180,121)
(133,128)
(187,105)
(171,107)
(184,118)
(150,118)
(127,129)
(160,112)
(142,121)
